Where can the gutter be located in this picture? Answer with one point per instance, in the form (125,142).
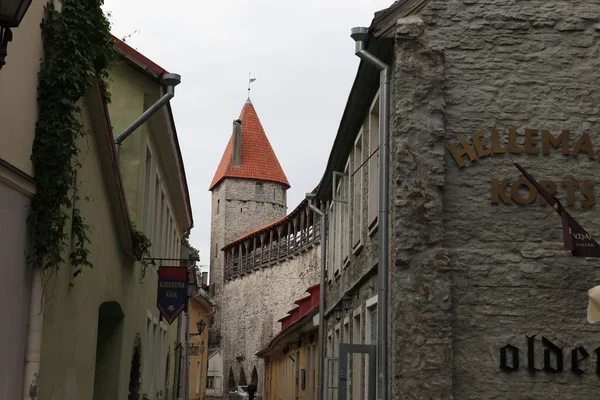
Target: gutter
(321,348)
(170,81)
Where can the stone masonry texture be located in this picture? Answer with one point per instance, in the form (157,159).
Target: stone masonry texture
(421,326)
(236,210)
(254,303)
(469,276)
(249,307)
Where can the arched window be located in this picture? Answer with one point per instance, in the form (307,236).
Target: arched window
(255,376)
(231,382)
(135,369)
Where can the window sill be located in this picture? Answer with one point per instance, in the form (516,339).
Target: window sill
(346,262)
(373,228)
(357,248)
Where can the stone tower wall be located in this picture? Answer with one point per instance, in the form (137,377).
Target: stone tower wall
(237,208)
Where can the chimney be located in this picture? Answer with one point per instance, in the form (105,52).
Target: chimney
(236,156)
(204,279)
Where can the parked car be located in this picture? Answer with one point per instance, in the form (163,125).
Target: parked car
(240,392)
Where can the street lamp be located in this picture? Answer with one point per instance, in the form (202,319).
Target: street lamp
(11,14)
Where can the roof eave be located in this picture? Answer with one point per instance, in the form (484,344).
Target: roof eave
(296,325)
(116,192)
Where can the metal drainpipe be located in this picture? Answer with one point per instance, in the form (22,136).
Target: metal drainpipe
(170,81)
(360,36)
(321,353)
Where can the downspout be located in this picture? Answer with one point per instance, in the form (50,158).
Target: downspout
(360,36)
(170,81)
(321,353)
(34,337)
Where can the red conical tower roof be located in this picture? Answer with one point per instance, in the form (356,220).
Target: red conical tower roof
(258,158)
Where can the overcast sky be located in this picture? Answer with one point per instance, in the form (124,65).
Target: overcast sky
(300,53)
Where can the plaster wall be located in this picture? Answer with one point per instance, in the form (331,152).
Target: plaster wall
(18,85)
(131,91)
(215,369)
(71,315)
(14,289)
(199,363)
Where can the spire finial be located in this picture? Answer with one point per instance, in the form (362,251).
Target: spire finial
(250,80)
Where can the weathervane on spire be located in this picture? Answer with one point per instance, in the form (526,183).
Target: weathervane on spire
(250,80)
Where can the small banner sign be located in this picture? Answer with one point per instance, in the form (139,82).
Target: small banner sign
(172,291)
(194,350)
(575,238)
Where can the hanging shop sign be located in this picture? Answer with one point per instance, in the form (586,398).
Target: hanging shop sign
(536,141)
(194,350)
(172,291)
(551,360)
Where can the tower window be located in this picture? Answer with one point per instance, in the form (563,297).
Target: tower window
(218,205)
(259,188)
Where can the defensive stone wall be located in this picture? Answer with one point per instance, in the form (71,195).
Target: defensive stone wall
(253,305)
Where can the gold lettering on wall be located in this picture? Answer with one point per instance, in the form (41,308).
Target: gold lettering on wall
(535,141)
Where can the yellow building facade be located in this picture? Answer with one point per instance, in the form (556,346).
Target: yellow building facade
(201,310)
(291,362)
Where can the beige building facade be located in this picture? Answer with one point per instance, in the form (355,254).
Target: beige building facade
(98,336)
(18,115)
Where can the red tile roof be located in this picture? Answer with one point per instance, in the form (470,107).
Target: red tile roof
(258,158)
(140,59)
(295,316)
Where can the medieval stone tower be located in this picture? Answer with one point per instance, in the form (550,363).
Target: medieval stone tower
(248,191)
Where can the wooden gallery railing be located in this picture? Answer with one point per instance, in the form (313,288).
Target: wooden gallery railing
(283,240)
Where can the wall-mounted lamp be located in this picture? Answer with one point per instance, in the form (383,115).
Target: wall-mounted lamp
(347,302)
(200,325)
(11,14)
(338,313)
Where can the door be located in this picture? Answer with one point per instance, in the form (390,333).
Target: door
(345,350)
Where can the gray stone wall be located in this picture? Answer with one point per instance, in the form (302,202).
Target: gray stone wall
(253,304)
(420,316)
(237,208)
(470,276)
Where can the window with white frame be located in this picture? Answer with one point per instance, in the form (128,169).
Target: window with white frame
(198,369)
(210,382)
(167,239)
(370,333)
(345,215)
(373,208)
(336,340)
(329,346)
(161,229)
(346,331)
(356,377)
(147,189)
(154,361)
(176,249)
(331,242)
(155,211)
(357,192)
(337,229)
